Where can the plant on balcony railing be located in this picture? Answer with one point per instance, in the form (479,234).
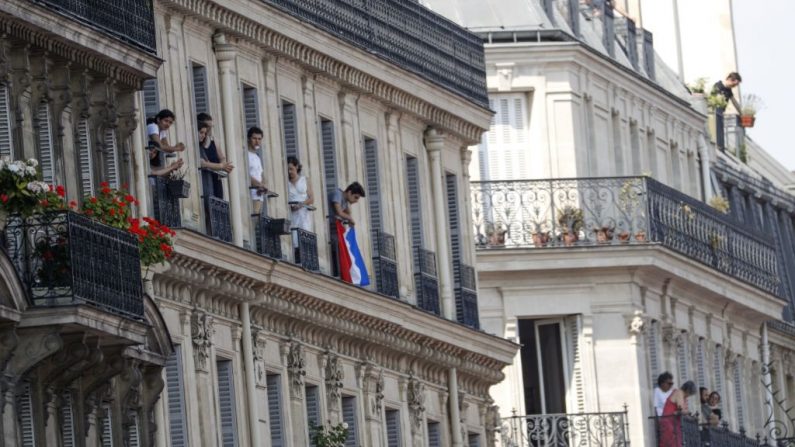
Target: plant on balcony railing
(563,430)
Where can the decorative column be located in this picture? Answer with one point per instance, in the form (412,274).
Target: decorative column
(140,167)
(455,409)
(371,381)
(225,54)
(434,143)
(251,384)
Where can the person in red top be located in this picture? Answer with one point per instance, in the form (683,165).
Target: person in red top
(670,423)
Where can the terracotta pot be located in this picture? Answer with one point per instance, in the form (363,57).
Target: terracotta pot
(747,120)
(624,237)
(540,239)
(640,236)
(604,235)
(569,239)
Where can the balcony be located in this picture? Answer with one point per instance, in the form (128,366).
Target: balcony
(217,218)
(466,302)
(165,205)
(620,211)
(406,34)
(426,281)
(558,430)
(684,430)
(64,259)
(131,21)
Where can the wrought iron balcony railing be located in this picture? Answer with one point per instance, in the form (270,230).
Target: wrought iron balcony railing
(563,430)
(132,21)
(406,34)
(426,282)
(684,430)
(306,252)
(466,297)
(165,205)
(63,258)
(385,264)
(620,211)
(268,241)
(217,219)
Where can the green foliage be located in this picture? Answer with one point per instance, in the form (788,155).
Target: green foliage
(331,435)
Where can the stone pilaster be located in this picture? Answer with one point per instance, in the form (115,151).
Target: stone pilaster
(434,143)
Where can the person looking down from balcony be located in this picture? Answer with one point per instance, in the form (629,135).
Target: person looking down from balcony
(341,201)
(157,131)
(299,196)
(664,388)
(724,88)
(670,424)
(212,157)
(156,161)
(714,405)
(255,172)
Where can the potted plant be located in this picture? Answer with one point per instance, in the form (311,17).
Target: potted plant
(720,204)
(604,234)
(20,189)
(177,185)
(742,153)
(751,105)
(331,436)
(697,87)
(571,221)
(540,237)
(716,101)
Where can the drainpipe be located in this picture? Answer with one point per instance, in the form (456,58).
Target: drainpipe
(251,384)
(766,379)
(455,414)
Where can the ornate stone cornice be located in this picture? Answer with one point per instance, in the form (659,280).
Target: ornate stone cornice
(314,61)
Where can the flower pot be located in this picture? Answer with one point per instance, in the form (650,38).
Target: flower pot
(179,188)
(747,120)
(640,236)
(624,237)
(540,239)
(604,235)
(569,239)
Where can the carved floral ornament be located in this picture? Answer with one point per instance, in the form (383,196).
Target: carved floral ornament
(416,402)
(201,329)
(334,380)
(637,323)
(296,367)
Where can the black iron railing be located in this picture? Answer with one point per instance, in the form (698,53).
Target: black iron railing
(131,21)
(385,264)
(620,211)
(466,299)
(268,241)
(306,251)
(165,205)
(405,33)
(426,282)
(684,430)
(218,224)
(64,258)
(563,430)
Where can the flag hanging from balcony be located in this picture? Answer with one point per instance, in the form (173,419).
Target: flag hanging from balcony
(352,268)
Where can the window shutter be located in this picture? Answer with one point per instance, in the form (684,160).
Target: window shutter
(349,417)
(132,432)
(200,100)
(682,358)
(632,43)
(85,158)
(573,16)
(275,409)
(107,426)
(373,189)
(290,128)
(5,123)
(648,54)
(653,348)
(226,403)
(434,437)
(25,415)
(151,98)
(701,359)
(175,390)
(474,440)
(393,428)
(608,34)
(506,155)
(44,140)
(573,330)
(67,420)
(717,367)
(415,216)
(329,156)
(111,158)
(738,392)
(312,406)
(250,107)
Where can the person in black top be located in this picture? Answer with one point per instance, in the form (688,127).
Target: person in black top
(724,88)
(212,158)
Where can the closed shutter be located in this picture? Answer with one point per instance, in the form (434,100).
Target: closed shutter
(632,43)
(349,417)
(573,16)
(312,406)
(683,359)
(454,223)
(176,399)
(434,435)
(373,190)
(717,367)
(573,331)
(290,129)
(111,158)
(226,403)
(273,382)
(329,156)
(738,392)
(200,100)
(5,123)
(250,107)
(25,415)
(107,426)
(151,98)
(506,154)
(701,360)
(393,428)
(67,420)
(44,140)
(133,438)
(648,54)
(415,208)
(474,440)
(85,158)
(653,349)
(608,34)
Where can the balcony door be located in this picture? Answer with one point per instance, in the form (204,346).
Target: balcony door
(544,367)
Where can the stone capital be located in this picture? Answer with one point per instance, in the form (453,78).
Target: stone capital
(224,51)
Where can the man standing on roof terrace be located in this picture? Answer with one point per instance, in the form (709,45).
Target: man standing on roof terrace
(724,88)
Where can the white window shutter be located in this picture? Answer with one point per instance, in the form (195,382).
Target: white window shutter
(226,403)
(393,428)
(373,186)
(25,416)
(717,367)
(329,156)
(200,101)
(682,359)
(85,157)
(107,426)
(701,359)
(653,349)
(312,406)
(574,347)
(434,435)
(250,107)
(175,392)
(6,144)
(151,98)
(349,417)
(290,128)
(111,158)
(67,420)
(133,438)
(738,392)
(273,382)
(505,155)
(45,143)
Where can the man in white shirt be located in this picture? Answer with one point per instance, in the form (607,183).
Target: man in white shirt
(664,388)
(255,171)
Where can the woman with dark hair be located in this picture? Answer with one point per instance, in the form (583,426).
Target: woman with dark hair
(714,406)
(670,423)
(299,195)
(157,131)
(214,167)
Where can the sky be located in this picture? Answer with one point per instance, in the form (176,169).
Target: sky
(766,61)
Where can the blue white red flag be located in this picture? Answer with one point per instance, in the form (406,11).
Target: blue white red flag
(352,267)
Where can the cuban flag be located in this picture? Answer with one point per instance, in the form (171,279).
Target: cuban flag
(352,268)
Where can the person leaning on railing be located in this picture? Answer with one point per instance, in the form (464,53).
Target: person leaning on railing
(158,147)
(670,423)
(724,88)
(341,201)
(212,157)
(255,172)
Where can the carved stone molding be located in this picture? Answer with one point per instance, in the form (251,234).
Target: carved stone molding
(258,346)
(416,403)
(201,331)
(334,376)
(636,323)
(296,367)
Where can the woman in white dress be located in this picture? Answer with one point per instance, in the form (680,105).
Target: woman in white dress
(299,196)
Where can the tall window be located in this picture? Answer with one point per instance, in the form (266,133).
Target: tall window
(506,148)
(44,142)
(738,392)
(701,363)
(107,426)
(717,368)
(618,148)
(250,107)
(290,129)
(434,434)
(313,417)
(653,349)
(349,417)
(111,158)
(67,420)
(5,122)
(683,358)
(473,440)
(329,156)
(226,403)
(25,416)
(373,188)
(151,98)
(201,103)
(175,393)
(85,158)
(274,383)
(392,428)
(651,149)
(676,167)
